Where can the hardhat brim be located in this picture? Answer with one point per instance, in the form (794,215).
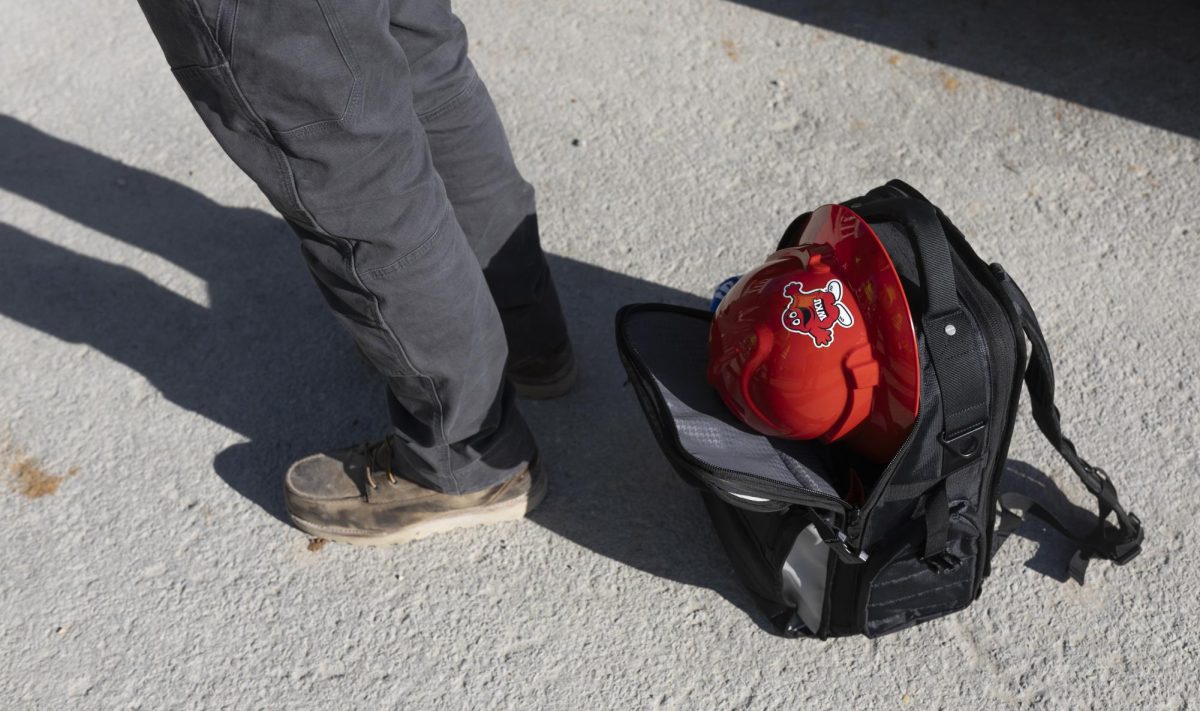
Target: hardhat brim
(871,276)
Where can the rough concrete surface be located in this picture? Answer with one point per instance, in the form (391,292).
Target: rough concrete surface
(154,385)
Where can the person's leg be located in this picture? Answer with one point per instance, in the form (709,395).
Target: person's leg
(314,101)
(494,205)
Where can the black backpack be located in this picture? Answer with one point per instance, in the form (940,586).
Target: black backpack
(921,544)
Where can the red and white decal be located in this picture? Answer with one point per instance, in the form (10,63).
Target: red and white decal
(815,313)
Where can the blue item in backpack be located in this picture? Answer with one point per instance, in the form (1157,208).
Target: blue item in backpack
(722,291)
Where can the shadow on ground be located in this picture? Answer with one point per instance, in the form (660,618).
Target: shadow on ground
(266,360)
(1054,552)
(1138,60)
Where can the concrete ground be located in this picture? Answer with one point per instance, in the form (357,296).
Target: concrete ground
(154,385)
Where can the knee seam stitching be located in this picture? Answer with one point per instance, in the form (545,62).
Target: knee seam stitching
(452,101)
(233,31)
(407,259)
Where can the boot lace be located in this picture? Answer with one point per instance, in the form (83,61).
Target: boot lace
(378,456)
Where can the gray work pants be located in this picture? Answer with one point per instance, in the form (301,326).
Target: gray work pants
(366,126)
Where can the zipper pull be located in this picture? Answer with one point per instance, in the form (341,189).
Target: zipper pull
(853,527)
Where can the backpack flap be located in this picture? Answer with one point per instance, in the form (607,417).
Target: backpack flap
(665,352)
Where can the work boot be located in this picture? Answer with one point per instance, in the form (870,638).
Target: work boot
(352,495)
(545,375)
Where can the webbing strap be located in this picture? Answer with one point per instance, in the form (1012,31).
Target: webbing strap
(1120,543)
(952,341)
(951,337)
(937,531)
(835,539)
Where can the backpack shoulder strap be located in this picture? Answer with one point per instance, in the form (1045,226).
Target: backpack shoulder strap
(1120,543)
(951,340)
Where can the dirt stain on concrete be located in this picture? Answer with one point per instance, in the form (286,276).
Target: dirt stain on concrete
(731,49)
(316,544)
(29,477)
(949,82)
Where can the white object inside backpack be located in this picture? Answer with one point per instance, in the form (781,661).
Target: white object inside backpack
(804,576)
(747,497)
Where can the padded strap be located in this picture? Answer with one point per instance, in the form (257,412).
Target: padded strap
(1120,543)
(952,341)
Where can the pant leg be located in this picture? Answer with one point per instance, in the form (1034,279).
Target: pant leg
(313,99)
(494,205)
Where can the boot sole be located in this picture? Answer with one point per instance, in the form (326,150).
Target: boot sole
(556,385)
(510,510)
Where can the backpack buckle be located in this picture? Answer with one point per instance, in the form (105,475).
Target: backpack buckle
(1118,545)
(963,446)
(1099,485)
(1128,547)
(1121,543)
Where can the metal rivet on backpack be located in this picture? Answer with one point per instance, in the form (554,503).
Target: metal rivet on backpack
(950,329)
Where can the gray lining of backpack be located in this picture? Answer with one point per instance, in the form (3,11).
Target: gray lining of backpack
(673,347)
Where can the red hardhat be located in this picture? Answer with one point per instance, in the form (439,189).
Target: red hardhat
(818,342)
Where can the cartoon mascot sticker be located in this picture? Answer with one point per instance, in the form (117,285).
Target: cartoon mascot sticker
(815,313)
